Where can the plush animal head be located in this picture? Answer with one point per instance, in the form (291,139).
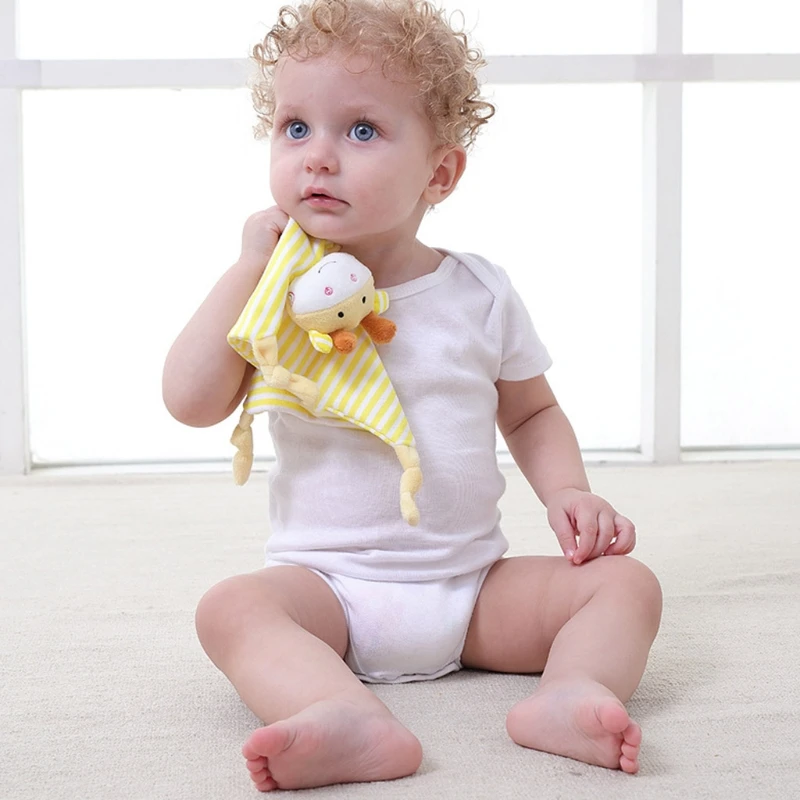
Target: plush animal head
(335,294)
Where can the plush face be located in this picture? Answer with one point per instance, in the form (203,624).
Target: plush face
(335,294)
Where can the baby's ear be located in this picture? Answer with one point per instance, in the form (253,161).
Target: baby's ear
(450,162)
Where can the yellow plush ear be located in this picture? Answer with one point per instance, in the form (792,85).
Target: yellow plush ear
(381,302)
(321,341)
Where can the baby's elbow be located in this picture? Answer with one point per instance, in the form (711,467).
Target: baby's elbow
(183,413)
(188,409)
(205,403)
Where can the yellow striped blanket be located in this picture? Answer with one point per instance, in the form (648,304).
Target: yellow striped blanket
(348,389)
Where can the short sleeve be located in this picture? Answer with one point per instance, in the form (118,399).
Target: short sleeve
(523,354)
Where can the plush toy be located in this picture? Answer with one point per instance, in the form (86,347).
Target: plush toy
(311,328)
(332,299)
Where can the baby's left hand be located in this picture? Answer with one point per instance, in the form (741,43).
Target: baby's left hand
(588,526)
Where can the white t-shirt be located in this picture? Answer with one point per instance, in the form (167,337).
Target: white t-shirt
(334,492)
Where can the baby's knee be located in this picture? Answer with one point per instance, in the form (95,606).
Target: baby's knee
(627,575)
(226,609)
(214,611)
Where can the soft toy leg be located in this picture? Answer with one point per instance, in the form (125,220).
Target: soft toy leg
(410,483)
(242,440)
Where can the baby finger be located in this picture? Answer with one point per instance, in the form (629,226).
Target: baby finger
(606,530)
(626,537)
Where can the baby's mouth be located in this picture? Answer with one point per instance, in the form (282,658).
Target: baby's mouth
(322,199)
(318,193)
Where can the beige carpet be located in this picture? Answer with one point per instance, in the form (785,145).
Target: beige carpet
(105,693)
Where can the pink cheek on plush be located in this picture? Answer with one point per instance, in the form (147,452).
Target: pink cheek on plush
(353,277)
(328,291)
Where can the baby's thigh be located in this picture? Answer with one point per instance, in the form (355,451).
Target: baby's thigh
(526,600)
(245,605)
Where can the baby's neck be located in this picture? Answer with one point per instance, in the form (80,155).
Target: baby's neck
(391,266)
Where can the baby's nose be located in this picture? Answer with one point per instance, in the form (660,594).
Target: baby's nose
(321,157)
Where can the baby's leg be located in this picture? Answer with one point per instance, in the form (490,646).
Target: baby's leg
(279,635)
(589,629)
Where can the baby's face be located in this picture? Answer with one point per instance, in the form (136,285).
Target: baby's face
(351,151)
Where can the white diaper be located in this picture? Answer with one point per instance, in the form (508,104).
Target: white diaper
(402,632)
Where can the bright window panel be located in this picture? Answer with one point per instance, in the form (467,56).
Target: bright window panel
(741,284)
(134,205)
(741,26)
(129,225)
(511,27)
(214,29)
(553,194)
(55,29)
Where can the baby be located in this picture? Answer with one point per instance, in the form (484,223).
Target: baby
(371,106)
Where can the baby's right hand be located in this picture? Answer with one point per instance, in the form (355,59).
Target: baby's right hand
(261,233)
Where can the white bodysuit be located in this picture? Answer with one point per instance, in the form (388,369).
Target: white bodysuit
(334,505)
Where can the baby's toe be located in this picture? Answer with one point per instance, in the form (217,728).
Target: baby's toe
(628,765)
(629,750)
(633,735)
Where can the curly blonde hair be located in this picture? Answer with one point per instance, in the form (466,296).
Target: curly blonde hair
(412,38)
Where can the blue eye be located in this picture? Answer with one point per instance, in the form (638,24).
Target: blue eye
(297,130)
(363,132)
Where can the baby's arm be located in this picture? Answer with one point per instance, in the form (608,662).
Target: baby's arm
(544,446)
(204,379)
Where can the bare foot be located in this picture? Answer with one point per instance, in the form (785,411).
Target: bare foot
(333,741)
(578,719)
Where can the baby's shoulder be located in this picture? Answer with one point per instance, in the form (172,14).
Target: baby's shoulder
(492,276)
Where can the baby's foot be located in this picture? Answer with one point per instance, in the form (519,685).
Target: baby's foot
(333,741)
(578,719)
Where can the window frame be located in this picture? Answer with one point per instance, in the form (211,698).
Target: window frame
(662,69)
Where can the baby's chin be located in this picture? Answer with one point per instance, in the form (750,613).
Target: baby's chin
(330,229)
(335,228)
